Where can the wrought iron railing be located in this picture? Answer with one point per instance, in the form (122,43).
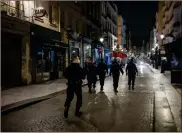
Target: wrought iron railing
(12,11)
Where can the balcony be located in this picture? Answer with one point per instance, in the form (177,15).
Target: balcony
(104,15)
(109,16)
(114,21)
(12,11)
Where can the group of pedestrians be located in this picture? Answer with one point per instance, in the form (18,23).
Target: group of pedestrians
(91,71)
(75,74)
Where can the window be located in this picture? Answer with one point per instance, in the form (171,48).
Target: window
(52,13)
(62,20)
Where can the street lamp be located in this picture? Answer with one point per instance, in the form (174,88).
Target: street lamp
(101,39)
(156,45)
(162,36)
(162,51)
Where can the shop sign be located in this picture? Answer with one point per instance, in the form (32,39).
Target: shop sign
(40,12)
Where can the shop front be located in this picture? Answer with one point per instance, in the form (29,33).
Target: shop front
(108,57)
(87,48)
(48,54)
(15,39)
(174,55)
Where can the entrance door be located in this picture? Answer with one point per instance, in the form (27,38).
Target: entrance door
(61,61)
(11,60)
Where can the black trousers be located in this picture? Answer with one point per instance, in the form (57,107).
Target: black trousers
(131,79)
(91,83)
(71,90)
(101,78)
(115,80)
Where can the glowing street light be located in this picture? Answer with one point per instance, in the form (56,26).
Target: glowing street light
(156,45)
(152,49)
(162,36)
(101,39)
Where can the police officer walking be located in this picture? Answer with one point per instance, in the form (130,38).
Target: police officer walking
(102,70)
(116,68)
(91,72)
(74,74)
(131,71)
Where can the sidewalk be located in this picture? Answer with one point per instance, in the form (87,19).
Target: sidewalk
(18,94)
(167,74)
(174,98)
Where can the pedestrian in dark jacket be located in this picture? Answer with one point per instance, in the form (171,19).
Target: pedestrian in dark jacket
(131,71)
(102,70)
(116,68)
(91,72)
(74,74)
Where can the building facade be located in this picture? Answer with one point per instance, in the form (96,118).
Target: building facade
(169,24)
(36,27)
(124,35)
(120,30)
(109,14)
(168,21)
(80,23)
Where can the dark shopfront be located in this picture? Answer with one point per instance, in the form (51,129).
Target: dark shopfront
(48,54)
(97,51)
(175,60)
(13,34)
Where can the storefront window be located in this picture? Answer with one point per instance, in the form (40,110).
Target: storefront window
(46,64)
(87,51)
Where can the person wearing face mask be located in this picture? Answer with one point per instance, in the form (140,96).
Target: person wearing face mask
(74,74)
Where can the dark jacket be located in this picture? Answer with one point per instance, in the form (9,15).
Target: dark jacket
(116,69)
(91,71)
(131,69)
(74,73)
(102,69)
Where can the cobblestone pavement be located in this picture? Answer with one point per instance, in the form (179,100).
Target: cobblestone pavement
(154,105)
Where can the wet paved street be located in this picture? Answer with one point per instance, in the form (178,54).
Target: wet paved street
(154,105)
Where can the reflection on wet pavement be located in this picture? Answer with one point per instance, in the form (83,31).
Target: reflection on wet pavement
(152,106)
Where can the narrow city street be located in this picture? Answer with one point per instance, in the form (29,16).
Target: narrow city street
(154,105)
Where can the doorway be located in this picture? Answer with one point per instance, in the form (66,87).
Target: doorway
(11,60)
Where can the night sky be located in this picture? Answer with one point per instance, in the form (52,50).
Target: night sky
(140,18)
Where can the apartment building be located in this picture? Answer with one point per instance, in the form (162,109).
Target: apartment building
(169,21)
(80,25)
(109,15)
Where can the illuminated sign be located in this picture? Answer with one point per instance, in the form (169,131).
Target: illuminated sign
(40,12)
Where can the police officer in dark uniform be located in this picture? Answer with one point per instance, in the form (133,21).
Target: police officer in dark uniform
(74,74)
(102,69)
(91,72)
(116,68)
(131,71)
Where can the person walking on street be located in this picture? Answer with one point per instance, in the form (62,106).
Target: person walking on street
(74,74)
(102,70)
(116,68)
(91,72)
(131,71)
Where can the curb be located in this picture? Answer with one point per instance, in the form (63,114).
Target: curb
(22,104)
